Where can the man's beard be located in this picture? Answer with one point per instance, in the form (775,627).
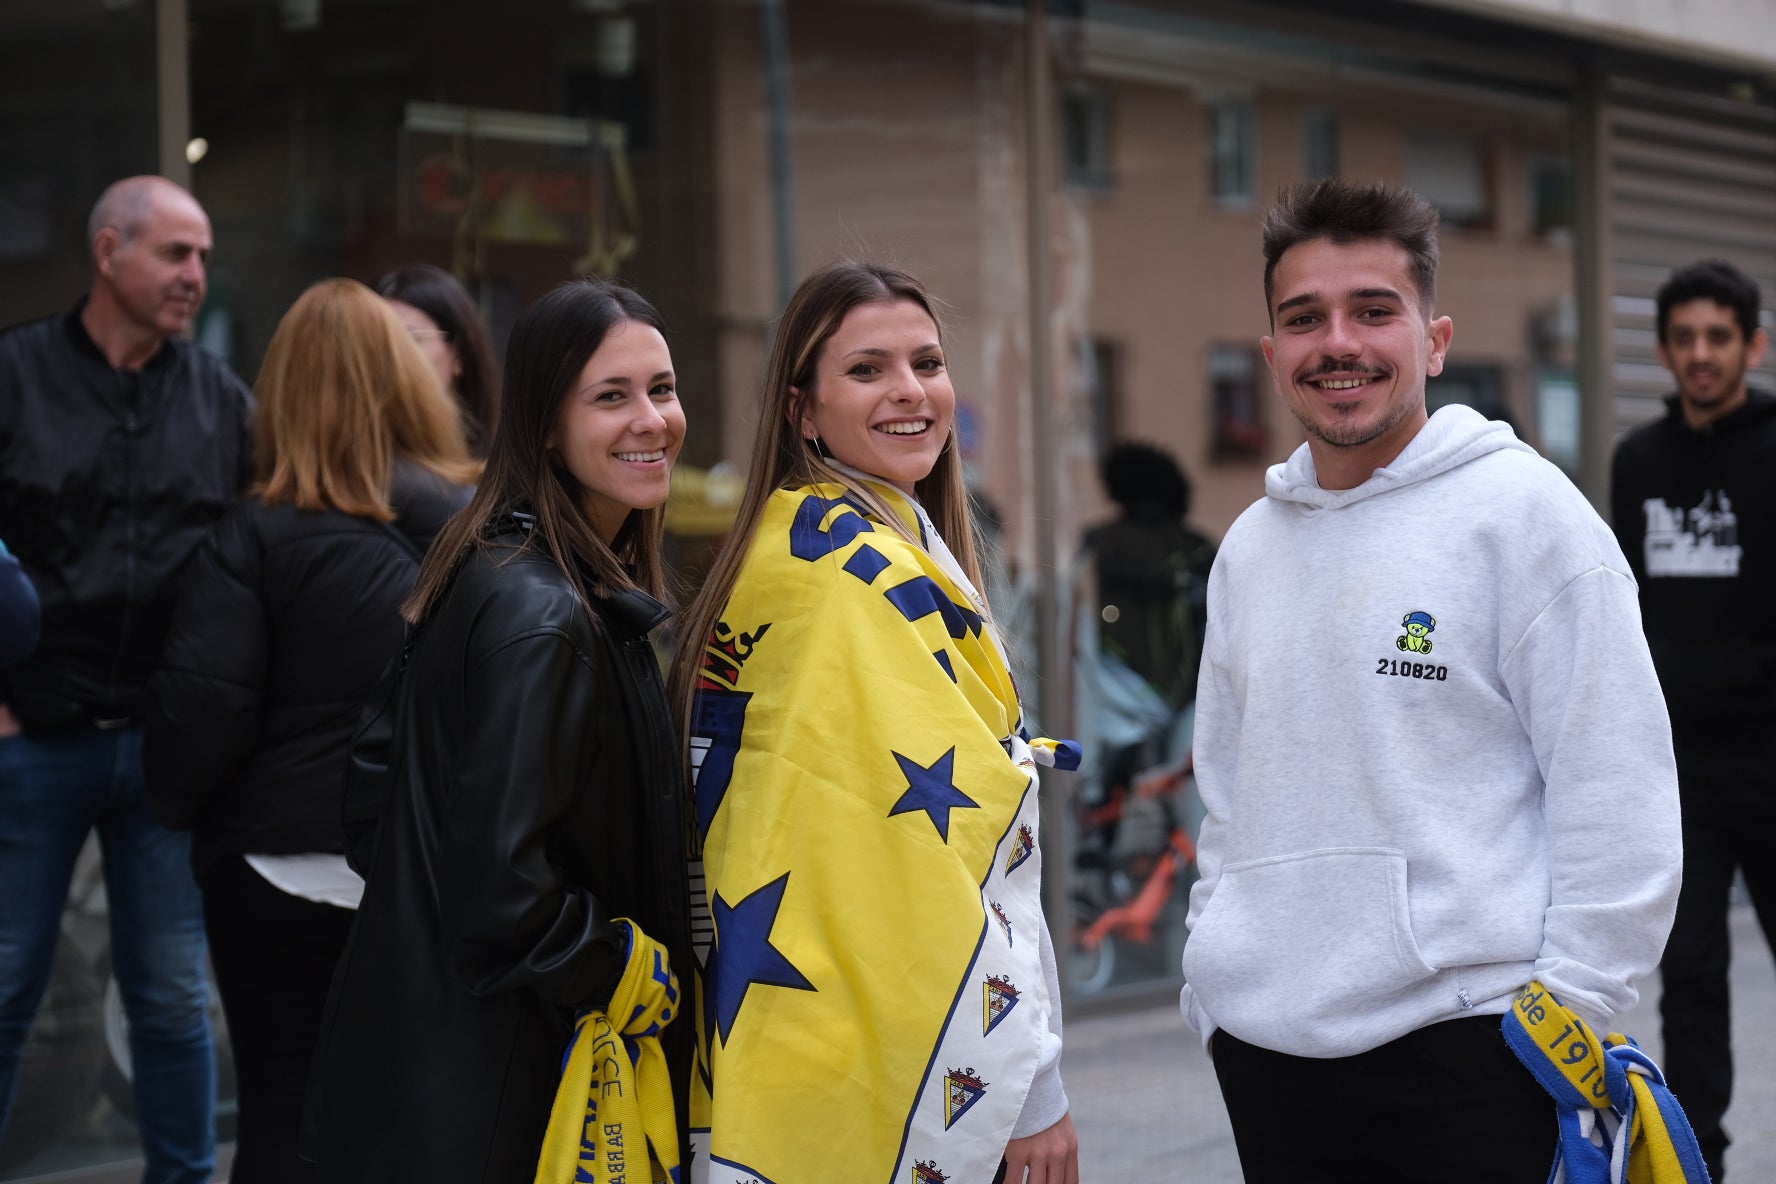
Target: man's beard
(1731,380)
(1342,433)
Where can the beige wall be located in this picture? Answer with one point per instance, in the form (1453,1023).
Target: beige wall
(1175,273)
(907,144)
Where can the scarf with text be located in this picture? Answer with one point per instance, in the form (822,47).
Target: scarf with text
(613,1119)
(1619,1123)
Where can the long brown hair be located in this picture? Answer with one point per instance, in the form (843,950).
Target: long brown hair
(783,459)
(342,393)
(549,347)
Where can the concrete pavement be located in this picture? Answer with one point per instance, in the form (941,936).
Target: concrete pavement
(1147,1107)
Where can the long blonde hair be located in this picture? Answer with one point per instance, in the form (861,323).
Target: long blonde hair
(343,393)
(783,459)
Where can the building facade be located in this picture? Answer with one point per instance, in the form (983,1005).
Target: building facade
(1080,181)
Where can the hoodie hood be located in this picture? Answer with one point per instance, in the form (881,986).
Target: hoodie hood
(1454,436)
(1759,405)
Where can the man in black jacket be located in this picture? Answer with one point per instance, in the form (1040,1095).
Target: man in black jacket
(1694,506)
(120,443)
(19,612)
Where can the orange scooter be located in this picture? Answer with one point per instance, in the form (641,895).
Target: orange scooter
(1120,897)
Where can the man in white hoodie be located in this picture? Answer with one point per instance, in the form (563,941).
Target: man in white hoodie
(1433,751)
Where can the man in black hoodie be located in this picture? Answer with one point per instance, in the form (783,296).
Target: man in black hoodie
(1693,499)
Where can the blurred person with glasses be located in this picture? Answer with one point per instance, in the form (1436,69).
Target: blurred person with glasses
(445,323)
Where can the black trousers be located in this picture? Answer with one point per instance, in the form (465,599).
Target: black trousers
(1447,1102)
(1726,825)
(273,954)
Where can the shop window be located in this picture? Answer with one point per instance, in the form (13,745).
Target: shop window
(1233,151)
(1236,403)
(1451,172)
(1480,387)
(1319,143)
(1085,137)
(1550,197)
(1101,361)
(27,218)
(615,89)
(1558,418)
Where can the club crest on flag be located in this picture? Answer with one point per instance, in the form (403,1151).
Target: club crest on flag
(725,653)
(1000,998)
(1004,921)
(962,1089)
(1021,849)
(927,1173)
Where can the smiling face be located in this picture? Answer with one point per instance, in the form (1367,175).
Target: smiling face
(881,399)
(157,278)
(1350,352)
(621,426)
(1707,352)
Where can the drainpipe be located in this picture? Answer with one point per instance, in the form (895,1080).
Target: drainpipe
(1593,283)
(172,68)
(1052,668)
(774,30)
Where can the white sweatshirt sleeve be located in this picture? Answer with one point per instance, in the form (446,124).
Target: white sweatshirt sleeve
(1046,1103)
(1583,684)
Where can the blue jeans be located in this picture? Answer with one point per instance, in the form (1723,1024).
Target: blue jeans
(55,788)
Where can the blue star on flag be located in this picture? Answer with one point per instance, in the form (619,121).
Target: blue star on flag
(743,954)
(932,789)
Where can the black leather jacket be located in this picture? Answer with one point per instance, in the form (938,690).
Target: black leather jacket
(109,479)
(286,619)
(534,795)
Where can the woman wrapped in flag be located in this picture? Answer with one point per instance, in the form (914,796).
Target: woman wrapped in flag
(877,993)
(525,888)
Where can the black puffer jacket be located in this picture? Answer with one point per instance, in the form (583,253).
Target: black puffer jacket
(535,795)
(109,479)
(285,619)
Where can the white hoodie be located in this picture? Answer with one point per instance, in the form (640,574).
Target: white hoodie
(1401,833)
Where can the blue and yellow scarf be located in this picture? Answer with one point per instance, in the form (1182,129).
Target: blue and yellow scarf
(1619,1124)
(870,977)
(613,1119)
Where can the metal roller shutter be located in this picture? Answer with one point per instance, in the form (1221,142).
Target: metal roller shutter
(1689,175)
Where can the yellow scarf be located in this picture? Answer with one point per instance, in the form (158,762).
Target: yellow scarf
(870,983)
(613,1118)
(1619,1124)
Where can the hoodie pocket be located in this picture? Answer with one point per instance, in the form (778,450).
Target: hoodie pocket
(1314,938)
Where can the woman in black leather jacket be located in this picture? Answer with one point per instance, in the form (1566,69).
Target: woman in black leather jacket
(286,616)
(533,788)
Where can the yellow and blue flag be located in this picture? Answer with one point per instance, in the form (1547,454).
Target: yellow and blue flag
(870,979)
